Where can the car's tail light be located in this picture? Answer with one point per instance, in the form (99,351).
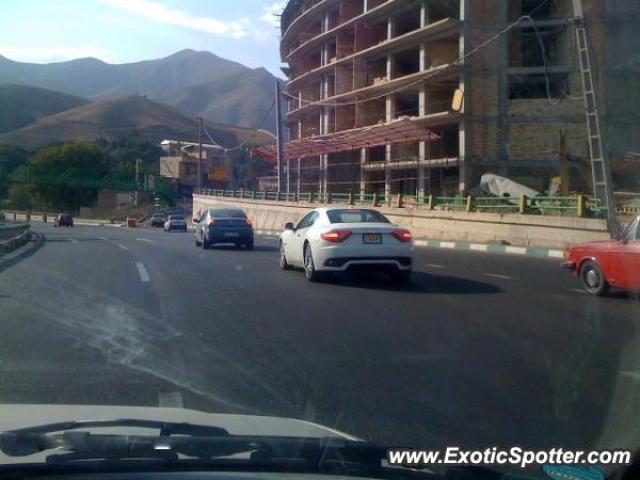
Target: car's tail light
(249,222)
(336,236)
(212,223)
(402,235)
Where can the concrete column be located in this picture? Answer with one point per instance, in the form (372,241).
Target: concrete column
(390,110)
(463,128)
(464,171)
(391,66)
(503,92)
(299,175)
(422,171)
(424,13)
(300,134)
(387,171)
(324,177)
(423,57)
(363,177)
(326,22)
(391,27)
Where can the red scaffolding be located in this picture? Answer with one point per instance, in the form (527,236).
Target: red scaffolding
(402,130)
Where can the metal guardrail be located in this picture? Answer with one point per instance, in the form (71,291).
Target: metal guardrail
(577,205)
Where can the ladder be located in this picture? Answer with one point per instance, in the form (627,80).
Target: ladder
(600,169)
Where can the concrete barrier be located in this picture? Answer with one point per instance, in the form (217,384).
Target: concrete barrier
(512,229)
(13,237)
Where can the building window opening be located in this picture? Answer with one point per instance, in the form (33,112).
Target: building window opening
(441,9)
(408,21)
(525,49)
(407,62)
(535,86)
(407,104)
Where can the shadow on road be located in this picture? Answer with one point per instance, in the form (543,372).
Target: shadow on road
(232,248)
(420,283)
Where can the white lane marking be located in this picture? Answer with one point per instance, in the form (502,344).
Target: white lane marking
(122,247)
(421,243)
(495,275)
(478,247)
(144,275)
(73,240)
(556,253)
(447,245)
(577,290)
(104,239)
(144,240)
(432,265)
(516,250)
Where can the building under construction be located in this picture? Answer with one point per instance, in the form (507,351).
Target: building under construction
(425,96)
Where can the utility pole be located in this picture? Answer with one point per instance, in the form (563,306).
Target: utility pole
(135,198)
(600,168)
(279,136)
(199,183)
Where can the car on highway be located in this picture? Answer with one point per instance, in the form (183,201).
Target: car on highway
(63,220)
(343,239)
(609,263)
(218,226)
(175,223)
(157,220)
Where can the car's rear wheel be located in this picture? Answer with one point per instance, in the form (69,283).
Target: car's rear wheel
(309,265)
(284,265)
(250,245)
(593,280)
(205,243)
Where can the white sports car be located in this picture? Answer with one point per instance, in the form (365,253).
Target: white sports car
(339,239)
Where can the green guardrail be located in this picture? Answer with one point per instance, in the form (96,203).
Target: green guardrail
(578,205)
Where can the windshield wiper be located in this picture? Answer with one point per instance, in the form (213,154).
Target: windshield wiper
(184,445)
(166,428)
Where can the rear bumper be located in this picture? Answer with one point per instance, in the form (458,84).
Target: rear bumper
(342,258)
(353,263)
(230,235)
(571,266)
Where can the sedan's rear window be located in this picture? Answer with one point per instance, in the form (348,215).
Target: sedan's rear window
(176,217)
(356,216)
(227,213)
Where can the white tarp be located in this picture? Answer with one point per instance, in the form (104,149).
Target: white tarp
(501,186)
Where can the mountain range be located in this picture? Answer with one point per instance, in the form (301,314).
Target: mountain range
(197,83)
(151,121)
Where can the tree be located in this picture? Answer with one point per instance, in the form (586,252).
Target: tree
(84,159)
(11,157)
(21,196)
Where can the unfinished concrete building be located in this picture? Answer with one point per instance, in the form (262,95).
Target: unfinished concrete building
(370,97)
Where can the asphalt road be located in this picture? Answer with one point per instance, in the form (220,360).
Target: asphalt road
(479,350)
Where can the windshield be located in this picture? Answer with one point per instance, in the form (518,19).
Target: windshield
(398,223)
(356,216)
(228,214)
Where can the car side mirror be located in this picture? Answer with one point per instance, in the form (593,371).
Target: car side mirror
(289,226)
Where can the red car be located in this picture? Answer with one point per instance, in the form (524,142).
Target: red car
(609,263)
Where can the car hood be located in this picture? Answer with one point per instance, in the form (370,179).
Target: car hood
(22,416)
(595,245)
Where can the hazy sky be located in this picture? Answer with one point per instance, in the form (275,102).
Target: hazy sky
(121,31)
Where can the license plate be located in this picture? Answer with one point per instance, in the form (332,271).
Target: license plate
(231,234)
(371,238)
